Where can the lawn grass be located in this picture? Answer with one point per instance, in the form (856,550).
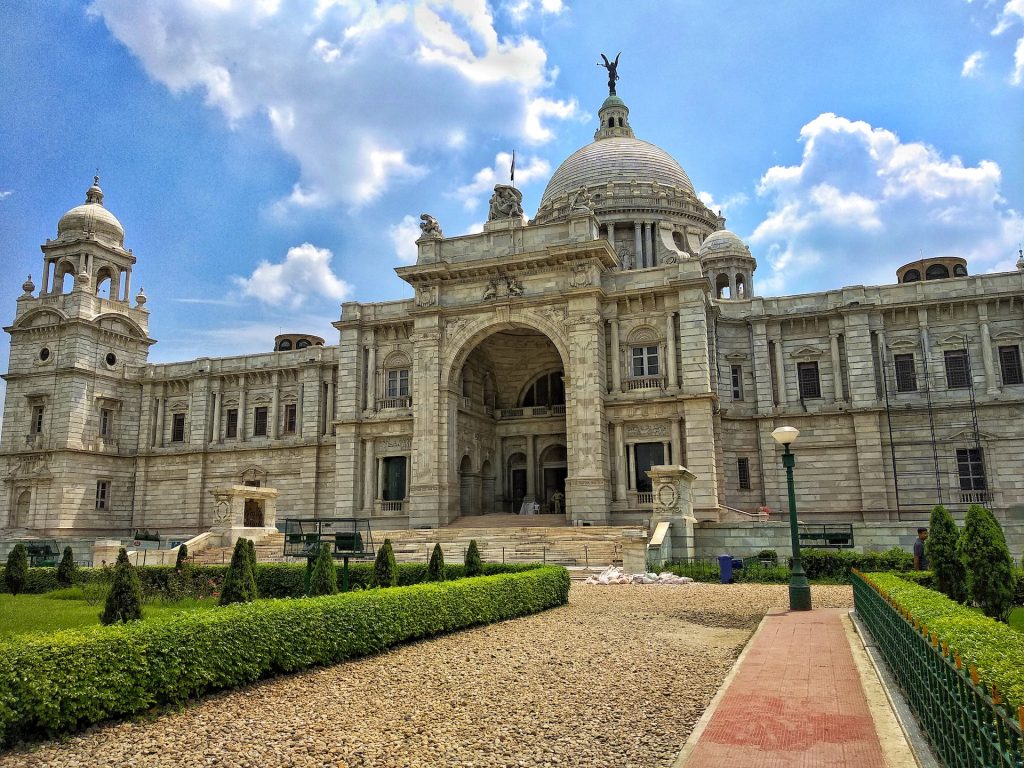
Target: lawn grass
(67,609)
(1017,619)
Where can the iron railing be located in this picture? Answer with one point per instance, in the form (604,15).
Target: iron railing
(967,723)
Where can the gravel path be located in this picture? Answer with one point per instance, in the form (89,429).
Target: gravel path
(616,679)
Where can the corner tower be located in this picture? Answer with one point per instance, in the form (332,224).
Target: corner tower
(78,348)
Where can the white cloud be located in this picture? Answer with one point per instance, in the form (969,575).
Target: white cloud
(356,91)
(972,65)
(528,169)
(5,193)
(305,273)
(861,196)
(403,237)
(724,206)
(1012,13)
(520,10)
(1017,78)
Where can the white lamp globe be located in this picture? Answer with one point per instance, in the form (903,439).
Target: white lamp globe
(785,435)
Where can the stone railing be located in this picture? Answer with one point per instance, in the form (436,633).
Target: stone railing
(644,382)
(643,498)
(531,412)
(392,506)
(394,402)
(975,497)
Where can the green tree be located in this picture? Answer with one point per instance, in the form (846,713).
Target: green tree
(435,570)
(239,581)
(66,569)
(124,600)
(943,559)
(182,558)
(385,569)
(990,577)
(323,580)
(16,573)
(250,554)
(474,566)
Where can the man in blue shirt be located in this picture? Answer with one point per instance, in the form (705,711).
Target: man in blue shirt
(920,558)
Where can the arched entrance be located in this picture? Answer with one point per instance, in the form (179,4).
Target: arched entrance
(21,508)
(253,513)
(554,467)
(509,400)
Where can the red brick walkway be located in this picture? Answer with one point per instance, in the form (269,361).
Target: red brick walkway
(796,700)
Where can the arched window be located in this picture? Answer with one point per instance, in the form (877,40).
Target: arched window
(285,345)
(547,389)
(959,270)
(302,343)
(741,286)
(65,277)
(722,289)
(105,284)
(936,272)
(396,376)
(911,276)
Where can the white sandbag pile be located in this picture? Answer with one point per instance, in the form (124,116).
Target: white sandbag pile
(615,575)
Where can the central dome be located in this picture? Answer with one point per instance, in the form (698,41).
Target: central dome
(91,218)
(616,158)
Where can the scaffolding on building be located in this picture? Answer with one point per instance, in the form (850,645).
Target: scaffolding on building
(934,439)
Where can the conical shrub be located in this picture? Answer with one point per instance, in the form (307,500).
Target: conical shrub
(16,572)
(323,579)
(990,577)
(435,569)
(182,558)
(474,566)
(66,568)
(239,581)
(250,553)
(385,569)
(124,600)
(945,563)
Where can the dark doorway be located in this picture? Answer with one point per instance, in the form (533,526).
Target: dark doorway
(554,482)
(647,456)
(518,488)
(252,517)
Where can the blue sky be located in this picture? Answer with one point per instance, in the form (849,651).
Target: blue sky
(268,159)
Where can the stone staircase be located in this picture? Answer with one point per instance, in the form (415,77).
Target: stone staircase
(588,546)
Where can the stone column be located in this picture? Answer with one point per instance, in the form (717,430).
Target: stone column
(379,490)
(616,364)
(631,461)
(431,470)
(127,285)
(883,355)
(780,371)
(160,403)
(44,288)
(732,283)
(218,398)
(670,363)
(275,404)
(638,259)
(241,408)
(329,408)
(371,377)
(530,467)
(676,434)
(761,367)
(611,234)
(620,463)
(369,475)
(837,369)
(649,244)
(926,347)
(991,385)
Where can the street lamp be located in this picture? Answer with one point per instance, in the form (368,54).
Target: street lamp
(799,589)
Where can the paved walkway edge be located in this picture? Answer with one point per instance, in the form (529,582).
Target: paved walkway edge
(702,724)
(916,740)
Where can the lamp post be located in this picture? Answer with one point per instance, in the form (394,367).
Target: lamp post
(799,589)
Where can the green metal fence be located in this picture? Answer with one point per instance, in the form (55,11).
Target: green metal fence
(968,725)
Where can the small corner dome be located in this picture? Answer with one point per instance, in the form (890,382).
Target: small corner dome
(723,243)
(91,218)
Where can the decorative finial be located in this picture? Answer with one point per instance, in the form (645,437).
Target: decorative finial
(613,71)
(94,194)
(140,298)
(28,286)
(1020,259)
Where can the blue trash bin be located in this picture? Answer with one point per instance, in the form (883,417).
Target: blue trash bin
(725,568)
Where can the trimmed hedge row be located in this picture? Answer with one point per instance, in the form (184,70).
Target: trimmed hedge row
(272,579)
(996,649)
(836,564)
(63,681)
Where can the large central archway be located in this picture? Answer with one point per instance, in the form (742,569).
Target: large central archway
(507,439)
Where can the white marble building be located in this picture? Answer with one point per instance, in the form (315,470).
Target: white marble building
(618,329)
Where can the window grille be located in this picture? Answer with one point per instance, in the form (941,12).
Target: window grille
(106,422)
(810,383)
(259,422)
(971,469)
(1009,365)
(37,420)
(906,373)
(231,428)
(743,466)
(737,382)
(102,494)
(178,428)
(289,418)
(958,370)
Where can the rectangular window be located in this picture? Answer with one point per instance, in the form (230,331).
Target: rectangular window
(231,427)
(743,466)
(178,428)
(259,421)
(37,420)
(398,382)
(645,361)
(971,468)
(289,418)
(647,456)
(906,373)
(1009,365)
(394,478)
(106,422)
(102,494)
(737,382)
(810,383)
(958,370)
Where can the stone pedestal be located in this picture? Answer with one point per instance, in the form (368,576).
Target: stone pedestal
(673,503)
(229,518)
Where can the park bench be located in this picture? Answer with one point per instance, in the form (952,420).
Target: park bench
(827,535)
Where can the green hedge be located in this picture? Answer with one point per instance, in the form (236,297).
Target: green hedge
(994,648)
(272,579)
(835,564)
(56,683)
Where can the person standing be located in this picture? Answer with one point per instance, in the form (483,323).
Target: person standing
(920,558)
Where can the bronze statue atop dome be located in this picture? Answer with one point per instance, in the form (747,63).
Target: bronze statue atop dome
(613,71)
